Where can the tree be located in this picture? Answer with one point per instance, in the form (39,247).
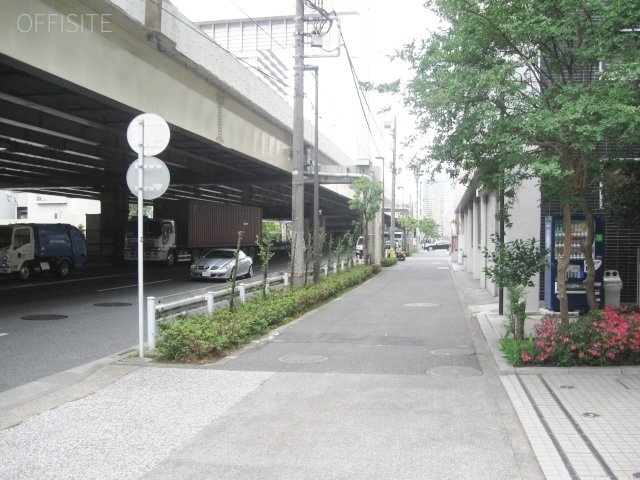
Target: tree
(406,224)
(268,236)
(512,264)
(366,203)
(527,89)
(428,226)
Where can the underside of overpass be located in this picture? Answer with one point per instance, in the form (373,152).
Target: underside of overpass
(57,139)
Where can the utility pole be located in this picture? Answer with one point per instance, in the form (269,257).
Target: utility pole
(392,228)
(382,222)
(297,180)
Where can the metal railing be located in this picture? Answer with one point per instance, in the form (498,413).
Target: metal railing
(162,309)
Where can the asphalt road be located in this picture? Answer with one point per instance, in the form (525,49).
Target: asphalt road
(51,325)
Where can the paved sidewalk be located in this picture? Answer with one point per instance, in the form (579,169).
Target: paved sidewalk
(401,378)
(582,422)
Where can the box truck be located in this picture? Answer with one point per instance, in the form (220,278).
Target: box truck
(185,229)
(28,248)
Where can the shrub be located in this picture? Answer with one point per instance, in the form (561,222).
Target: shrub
(608,337)
(389,261)
(205,336)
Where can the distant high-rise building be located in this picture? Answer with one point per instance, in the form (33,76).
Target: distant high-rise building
(437,202)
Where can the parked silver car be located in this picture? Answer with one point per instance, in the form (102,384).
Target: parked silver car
(218,264)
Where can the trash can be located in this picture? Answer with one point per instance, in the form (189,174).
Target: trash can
(612,286)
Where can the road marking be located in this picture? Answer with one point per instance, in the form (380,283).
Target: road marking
(134,285)
(3,334)
(70,280)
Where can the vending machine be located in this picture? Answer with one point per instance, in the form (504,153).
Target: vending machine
(577,271)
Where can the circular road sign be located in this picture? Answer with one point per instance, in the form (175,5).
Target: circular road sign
(156,178)
(155,131)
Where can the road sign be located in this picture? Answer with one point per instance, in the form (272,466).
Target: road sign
(148,178)
(155,181)
(155,131)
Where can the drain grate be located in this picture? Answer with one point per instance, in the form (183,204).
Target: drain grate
(49,316)
(111,304)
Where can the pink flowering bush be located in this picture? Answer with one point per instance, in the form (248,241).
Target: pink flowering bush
(607,337)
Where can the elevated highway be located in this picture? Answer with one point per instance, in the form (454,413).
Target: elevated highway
(74,73)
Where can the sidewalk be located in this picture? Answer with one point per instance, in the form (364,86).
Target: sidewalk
(400,378)
(582,422)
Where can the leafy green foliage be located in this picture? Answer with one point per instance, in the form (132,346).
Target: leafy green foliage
(512,265)
(200,337)
(366,203)
(406,224)
(515,90)
(428,226)
(270,233)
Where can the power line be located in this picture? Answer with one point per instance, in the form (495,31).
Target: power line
(361,95)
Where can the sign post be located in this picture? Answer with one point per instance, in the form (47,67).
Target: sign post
(147,134)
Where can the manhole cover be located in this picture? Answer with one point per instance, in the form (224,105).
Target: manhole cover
(112,304)
(591,415)
(44,317)
(302,358)
(420,305)
(453,351)
(455,372)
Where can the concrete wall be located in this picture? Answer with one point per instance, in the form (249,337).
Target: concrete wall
(160,65)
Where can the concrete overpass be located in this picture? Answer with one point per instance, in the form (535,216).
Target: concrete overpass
(74,73)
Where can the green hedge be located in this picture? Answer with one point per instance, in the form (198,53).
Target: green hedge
(195,338)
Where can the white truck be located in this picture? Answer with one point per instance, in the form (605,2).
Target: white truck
(30,248)
(185,229)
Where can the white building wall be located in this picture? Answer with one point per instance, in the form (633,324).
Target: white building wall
(56,209)
(477,216)
(525,217)
(8,206)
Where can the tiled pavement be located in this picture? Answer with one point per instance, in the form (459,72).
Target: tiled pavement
(582,423)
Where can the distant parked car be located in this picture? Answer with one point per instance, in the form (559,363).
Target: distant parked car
(218,264)
(438,245)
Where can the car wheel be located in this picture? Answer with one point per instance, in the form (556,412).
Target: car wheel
(25,273)
(171,258)
(249,272)
(429,249)
(62,270)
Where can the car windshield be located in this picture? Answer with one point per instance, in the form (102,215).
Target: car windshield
(220,254)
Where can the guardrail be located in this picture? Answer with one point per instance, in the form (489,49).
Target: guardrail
(166,308)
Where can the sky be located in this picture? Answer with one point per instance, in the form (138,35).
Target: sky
(380,29)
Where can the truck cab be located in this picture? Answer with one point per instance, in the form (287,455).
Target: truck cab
(159,237)
(31,248)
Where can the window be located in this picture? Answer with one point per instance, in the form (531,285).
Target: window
(21,237)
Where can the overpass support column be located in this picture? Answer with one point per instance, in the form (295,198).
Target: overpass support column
(114,211)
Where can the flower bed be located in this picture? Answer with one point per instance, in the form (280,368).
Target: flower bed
(607,337)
